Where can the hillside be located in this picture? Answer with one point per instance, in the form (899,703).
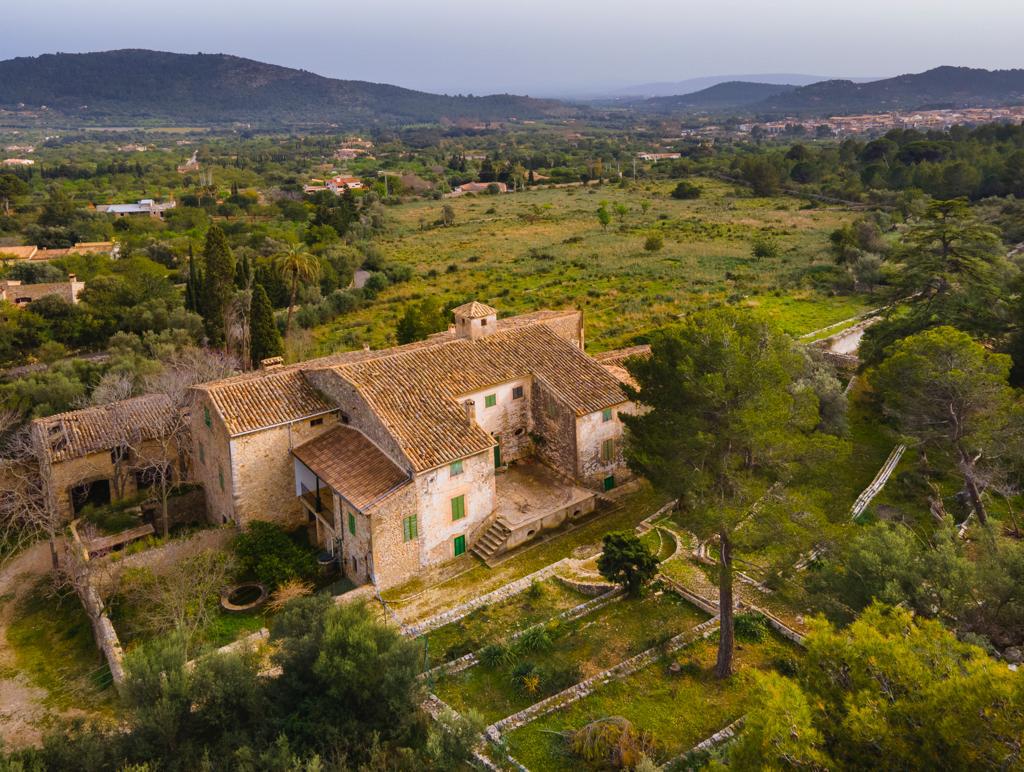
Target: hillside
(114,86)
(722,96)
(941,87)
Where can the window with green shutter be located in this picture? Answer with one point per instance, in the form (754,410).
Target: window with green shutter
(490,400)
(606,414)
(410,530)
(608,450)
(206,417)
(459,507)
(351,524)
(456,468)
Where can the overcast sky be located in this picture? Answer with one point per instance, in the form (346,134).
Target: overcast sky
(540,47)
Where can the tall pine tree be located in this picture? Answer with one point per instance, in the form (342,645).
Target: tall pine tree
(264,337)
(218,283)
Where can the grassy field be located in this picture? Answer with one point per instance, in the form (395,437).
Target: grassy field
(680,710)
(592,643)
(537,604)
(546,249)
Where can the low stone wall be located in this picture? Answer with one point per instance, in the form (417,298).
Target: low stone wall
(162,558)
(584,587)
(503,592)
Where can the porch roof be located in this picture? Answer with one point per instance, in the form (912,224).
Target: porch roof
(347,461)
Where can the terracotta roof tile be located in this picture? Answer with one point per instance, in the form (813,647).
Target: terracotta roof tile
(351,464)
(96,429)
(415,393)
(264,398)
(474,310)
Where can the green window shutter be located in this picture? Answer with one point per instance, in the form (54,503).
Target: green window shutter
(409,528)
(206,417)
(490,400)
(606,414)
(456,468)
(609,482)
(460,545)
(220,477)
(351,524)
(608,450)
(459,507)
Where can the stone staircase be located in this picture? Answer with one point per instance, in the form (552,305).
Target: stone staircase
(492,541)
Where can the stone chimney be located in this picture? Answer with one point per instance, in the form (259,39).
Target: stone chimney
(470,407)
(475,320)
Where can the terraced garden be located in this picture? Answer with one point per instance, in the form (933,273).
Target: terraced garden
(514,674)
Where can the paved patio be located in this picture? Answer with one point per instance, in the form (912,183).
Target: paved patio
(528,491)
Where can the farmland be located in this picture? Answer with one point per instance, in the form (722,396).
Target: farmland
(546,249)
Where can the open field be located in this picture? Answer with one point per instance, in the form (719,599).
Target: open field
(680,710)
(546,249)
(591,643)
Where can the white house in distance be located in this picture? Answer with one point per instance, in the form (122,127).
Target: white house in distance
(145,206)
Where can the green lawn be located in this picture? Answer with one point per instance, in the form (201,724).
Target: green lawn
(536,604)
(680,710)
(546,249)
(592,643)
(53,645)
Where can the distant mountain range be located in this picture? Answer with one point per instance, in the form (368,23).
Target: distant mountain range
(136,86)
(693,85)
(722,96)
(114,86)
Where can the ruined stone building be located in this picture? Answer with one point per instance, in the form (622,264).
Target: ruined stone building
(99,454)
(478,438)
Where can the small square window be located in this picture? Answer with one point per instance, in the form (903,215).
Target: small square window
(606,415)
(490,400)
(316,422)
(456,468)
(351,524)
(344,417)
(517,392)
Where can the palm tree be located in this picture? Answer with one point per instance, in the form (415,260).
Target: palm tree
(296,263)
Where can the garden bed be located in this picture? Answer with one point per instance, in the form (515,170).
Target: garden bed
(539,603)
(679,709)
(577,650)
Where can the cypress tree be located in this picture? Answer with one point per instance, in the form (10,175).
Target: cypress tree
(192,284)
(264,337)
(218,284)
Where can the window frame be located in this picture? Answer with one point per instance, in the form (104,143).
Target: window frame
(456,468)
(410,528)
(490,400)
(606,415)
(351,523)
(461,500)
(608,449)
(518,392)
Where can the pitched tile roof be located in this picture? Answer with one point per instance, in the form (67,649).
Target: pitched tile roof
(263,398)
(415,392)
(98,429)
(352,465)
(474,310)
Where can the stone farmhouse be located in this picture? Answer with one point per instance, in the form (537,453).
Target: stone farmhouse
(478,438)
(99,454)
(19,294)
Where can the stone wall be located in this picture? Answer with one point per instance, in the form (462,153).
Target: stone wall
(554,426)
(394,559)
(211,461)
(591,432)
(436,489)
(508,420)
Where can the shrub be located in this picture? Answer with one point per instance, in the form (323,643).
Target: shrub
(613,741)
(750,627)
(654,242)
(265,551)
(536,590)
(526,677)
(686,190)
(763,247)
(627,561)
(559,677)
(495,655)
(293,588)
(534,639)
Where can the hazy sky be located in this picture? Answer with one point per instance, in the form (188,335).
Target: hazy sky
(538,46)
